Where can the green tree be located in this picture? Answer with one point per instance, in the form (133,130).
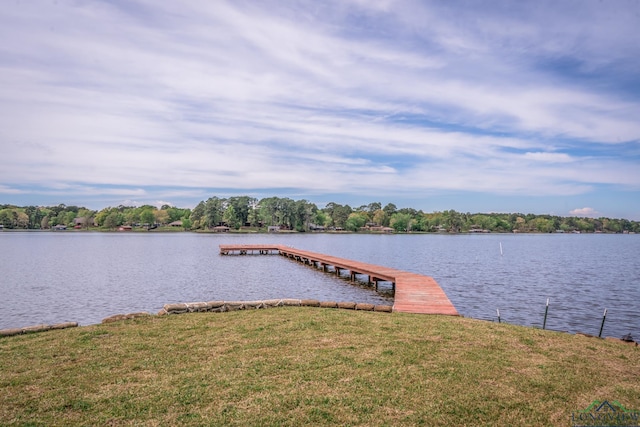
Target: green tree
(242,205)
(322,219)
(356,220)
(214,211)
(304,214)
(502,225)
(401,222)
(69,217)
(35,216)
(585,226)
(329,210)
(20,219)
(113,220)
(6,218)
(101,216)
(380,218)
(288,212)
(176,214)
(419,223)
(452,220)
(231,218)
(254,216)
(132,216)
(484,222)
(162,216)
(372,208)
(147,217)
(340,215)
(543,225)
(197,215)
(390,209)
(270,211)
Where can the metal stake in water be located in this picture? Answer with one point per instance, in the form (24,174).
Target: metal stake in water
(498,310)
(604,316)
(546,311)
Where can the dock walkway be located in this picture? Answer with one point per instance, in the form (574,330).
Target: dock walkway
(414,293)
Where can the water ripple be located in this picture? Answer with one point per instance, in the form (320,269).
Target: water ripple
(84,277)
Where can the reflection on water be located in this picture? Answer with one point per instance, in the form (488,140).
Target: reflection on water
(84,277)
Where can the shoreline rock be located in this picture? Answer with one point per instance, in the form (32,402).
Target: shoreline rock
(210,307)
(224,306)
(36,328)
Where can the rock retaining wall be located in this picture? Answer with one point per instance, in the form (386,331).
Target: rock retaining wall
(222,306)
(211,306)
(118,317)
(36,328)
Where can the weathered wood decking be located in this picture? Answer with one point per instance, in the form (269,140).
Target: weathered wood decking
(414,293)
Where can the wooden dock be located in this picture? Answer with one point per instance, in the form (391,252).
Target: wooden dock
(414,293)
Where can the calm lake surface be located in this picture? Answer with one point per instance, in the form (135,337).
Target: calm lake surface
(51,277)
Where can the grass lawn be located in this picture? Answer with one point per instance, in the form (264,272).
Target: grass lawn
(295,366)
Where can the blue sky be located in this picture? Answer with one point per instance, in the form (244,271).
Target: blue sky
(494,106)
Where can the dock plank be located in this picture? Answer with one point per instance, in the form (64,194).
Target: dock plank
(414,293)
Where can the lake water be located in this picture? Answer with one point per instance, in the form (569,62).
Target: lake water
(51,277)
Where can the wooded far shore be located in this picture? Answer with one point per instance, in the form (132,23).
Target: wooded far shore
(274,214)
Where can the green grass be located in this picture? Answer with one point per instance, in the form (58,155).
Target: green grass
(295,366)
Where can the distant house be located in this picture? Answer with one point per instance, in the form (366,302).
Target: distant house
(378,229)
(273,228)
(175,224)
(476,229)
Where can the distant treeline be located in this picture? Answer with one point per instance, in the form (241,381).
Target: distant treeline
(301,215)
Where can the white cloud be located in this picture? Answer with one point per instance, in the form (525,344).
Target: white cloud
(549,157)
(160,203)
(333,97)
(584,212)
(9,190)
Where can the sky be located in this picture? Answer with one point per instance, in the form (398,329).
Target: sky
(492,106)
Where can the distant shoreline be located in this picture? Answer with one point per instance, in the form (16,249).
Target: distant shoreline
(167,230)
